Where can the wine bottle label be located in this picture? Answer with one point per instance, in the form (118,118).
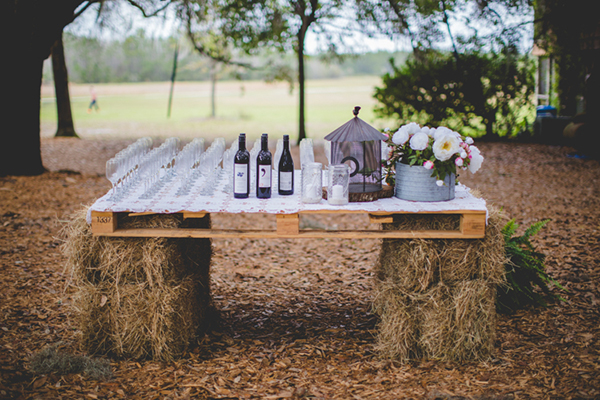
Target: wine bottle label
(264,176)
(240,178)
(285,180)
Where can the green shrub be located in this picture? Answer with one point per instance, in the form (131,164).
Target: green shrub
(475,93)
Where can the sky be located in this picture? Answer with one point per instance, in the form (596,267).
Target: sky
(133,20)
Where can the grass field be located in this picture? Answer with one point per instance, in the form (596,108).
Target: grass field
(140,109)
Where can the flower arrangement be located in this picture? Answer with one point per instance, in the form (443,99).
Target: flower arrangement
(440,150)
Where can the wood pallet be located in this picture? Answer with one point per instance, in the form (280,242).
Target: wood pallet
(472,226)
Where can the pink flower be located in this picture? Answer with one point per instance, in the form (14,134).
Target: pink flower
(459,162)
(428,164)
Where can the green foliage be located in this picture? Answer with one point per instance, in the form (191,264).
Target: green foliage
(525,271)
(51,361)
(140,58)
(473,93)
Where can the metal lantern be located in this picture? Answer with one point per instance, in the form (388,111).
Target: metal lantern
(358,145)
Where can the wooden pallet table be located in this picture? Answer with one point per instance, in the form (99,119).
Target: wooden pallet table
(287,211)
(472,226)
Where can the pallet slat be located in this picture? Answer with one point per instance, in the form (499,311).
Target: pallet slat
(302,234)
(103,222)
(472,226)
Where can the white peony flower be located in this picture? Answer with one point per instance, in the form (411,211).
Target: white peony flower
(439,182)
(469,140)
(428,164)
(429,131)
(385,150)
(419,141)
(445,147)
(459,162)
(442,131)
(401,136)
(476,160)
(463,154)
(412,128)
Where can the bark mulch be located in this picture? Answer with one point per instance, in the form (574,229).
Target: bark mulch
(295,315)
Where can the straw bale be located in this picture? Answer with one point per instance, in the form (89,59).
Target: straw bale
(436,322)
(139,297)
(436,298)
(418,264)
(408,264)
(474,320)
(468,259)
(397,329)
(422,222)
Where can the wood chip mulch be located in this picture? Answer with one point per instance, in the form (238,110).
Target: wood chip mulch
(295,315)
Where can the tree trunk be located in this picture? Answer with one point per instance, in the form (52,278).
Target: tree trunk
(213,88)
(301,79)
(33,27)
(20,152)
(61,88)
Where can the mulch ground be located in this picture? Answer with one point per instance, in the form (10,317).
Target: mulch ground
(295,315)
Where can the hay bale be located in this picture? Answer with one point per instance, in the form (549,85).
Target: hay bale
(436,298)
(436,322)
(410,265)
(474,331)
(418,264)
(139,297)
(397,329)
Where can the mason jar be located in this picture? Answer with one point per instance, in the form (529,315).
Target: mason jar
(312,182)
(337,188)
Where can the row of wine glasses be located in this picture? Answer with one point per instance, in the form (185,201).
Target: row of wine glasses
(307,153)
(122,168)
(187,164)
(192,162)
(210,166)
(228,156)
(156,167)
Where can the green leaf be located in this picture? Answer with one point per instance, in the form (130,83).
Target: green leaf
(525,271)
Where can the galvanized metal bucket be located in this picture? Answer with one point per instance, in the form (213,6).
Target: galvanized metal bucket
(416,183)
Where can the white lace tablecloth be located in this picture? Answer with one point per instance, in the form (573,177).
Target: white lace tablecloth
(215,198)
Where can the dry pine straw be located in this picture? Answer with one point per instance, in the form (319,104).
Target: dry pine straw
(296,316)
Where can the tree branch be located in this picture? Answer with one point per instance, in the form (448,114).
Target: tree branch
(77,14)
(447,22)
(204,51)
(143,10)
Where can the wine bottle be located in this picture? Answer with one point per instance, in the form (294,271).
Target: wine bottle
(263,169)
(286,169)
(241,170)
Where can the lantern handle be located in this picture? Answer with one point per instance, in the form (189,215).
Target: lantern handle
(355,111)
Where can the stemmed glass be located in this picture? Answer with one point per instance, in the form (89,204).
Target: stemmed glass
(112,175)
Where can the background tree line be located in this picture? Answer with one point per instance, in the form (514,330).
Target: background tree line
(140,57)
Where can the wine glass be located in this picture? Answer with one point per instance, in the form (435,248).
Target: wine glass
(112,167)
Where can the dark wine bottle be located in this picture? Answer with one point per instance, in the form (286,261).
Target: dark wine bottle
(263,169)
(286,169)
(241,170)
